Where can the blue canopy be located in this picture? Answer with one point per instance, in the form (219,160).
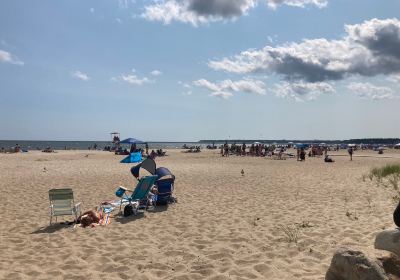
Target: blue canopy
(131,141)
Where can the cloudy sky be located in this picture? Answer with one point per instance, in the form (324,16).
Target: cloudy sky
(185,70)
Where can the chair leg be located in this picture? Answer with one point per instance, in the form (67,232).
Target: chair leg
(51,218)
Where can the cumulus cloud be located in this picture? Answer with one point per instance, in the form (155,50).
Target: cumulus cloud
(7,57)
(367,49)
(226,88)
(156,73)
(198,12)
(80,76)
(301,90)
(370,91)
(132,79)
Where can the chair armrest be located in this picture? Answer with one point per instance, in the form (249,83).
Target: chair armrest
(77,207)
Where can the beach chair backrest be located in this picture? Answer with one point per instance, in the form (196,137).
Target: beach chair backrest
(62,200)
(61,194)
(143,187)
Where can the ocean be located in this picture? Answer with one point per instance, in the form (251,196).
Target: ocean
(84,145)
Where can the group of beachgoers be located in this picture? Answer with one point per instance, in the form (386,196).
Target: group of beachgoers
(255,149)
(191,149)
(16,149)
(145,152)
(278,152)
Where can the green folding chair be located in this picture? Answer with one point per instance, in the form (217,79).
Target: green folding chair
(62,204)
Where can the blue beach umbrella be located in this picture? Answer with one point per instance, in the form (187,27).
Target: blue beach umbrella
(301,146)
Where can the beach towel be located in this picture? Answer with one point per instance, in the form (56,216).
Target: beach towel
(105,218)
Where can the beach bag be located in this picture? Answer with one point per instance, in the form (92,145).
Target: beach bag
(128,210)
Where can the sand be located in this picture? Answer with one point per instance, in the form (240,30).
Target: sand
(224,226)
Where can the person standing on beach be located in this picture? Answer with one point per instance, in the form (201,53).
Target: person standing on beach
(147,149)
(226,149)
(351,153)
(302,155)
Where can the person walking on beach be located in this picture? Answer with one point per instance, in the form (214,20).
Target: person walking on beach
(351,153)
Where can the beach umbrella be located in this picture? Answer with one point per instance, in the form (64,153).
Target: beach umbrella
(131,141)
(301,145)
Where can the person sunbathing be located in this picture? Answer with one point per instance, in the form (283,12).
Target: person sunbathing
(88,218)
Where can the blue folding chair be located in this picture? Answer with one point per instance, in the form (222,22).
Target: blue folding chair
(139,198)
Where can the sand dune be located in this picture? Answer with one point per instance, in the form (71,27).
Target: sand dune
(224,226)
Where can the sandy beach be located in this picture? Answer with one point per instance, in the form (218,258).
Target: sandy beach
(224,226)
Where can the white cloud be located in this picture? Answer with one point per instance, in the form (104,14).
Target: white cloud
(395,78)
(367,49)
(132,79)
(297,3)
(187,89)
(301,90)
(80,75)
(226,88)
(91,10)
(156,73)
(198,12)
(7,57)
(118,20)
(370,91)
(221,94)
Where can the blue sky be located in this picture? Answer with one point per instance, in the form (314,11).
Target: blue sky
(175,70)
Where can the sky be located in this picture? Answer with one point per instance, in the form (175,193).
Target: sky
(185,70)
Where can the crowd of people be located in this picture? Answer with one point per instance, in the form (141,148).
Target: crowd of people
(279,152)
(255,149)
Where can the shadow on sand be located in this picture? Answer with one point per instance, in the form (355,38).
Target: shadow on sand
(124,220)
(54,228)
(159,208)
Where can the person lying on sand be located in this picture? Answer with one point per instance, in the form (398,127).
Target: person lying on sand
(88,218)
(328,159)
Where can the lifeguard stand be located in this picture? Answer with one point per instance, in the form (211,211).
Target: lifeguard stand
(115,139)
